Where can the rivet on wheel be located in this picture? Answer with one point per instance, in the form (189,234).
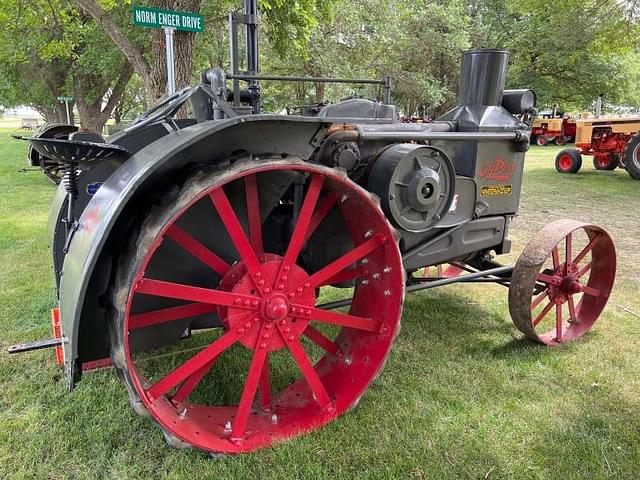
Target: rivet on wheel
(307,313)
(255,303)
(268,326)
(364,282)
(257,274)
(284,278)
(364,261)
(291,294)
(368,234)
(387,269)
(281,286)
(299,289)
(287,330)
(227,426)
(387,293)
(344,197)
(376,276)
(260,283)
(267,290)
(274,418)
(247,325)
(283,322)
(265,336)
(237,301)
(263,345)
(241,331)
(286,268)
(307,285)
(247,303)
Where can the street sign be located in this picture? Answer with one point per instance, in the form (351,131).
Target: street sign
(65,98)
(157,18)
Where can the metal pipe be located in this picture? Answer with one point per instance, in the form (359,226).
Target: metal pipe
(279,78)
(233,55)
(457,136)
(432,284)
(171,75)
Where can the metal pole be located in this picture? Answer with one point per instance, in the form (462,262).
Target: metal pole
(66,102)
(171,76)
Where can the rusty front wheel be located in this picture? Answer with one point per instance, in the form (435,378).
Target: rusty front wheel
(562,281)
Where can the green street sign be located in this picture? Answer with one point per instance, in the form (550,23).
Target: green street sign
(65,98)
(157,18)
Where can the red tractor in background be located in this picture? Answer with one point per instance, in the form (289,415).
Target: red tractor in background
(548,127)
(612,141)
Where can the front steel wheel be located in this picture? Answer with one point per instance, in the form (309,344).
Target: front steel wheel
(236,256)
(562,281)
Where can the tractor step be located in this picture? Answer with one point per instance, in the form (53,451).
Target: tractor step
(27,347)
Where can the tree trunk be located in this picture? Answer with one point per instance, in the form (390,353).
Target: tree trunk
(320,88)
(154,74)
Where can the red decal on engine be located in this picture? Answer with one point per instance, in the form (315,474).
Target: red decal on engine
(498,170)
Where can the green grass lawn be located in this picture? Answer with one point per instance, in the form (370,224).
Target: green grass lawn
(463,394)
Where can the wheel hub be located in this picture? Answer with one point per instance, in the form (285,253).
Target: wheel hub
(257,326)
(566,283)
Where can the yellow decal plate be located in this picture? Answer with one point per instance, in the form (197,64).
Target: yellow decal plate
(495,190)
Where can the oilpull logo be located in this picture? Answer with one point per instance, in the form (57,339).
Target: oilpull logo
(498,170)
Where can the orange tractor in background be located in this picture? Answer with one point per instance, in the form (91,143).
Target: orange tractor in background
(613,142)
(547,128)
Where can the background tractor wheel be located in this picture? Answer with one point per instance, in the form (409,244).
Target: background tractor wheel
(568,160)
(561,140)
(632,157)
(562,281)
(541,140)
(233,253)
(605,162)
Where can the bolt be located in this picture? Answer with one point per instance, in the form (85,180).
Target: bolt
(257,275)
(307,285)
(368,234)
(376,276)
(183,413)
(387,269)
(263,345)
(291,294)
(299,289)
(387,293)
(247,325)
(308,313)
(268,326)
(287,330)
(247,303)
(255,303)
(364,261)
(281,286)
(241,331)
(274,418)
(344,198)
(364,282)
(255,319)
(265,336)
(286,268)
(284,278)
(237,301)
(331,408)
(227,426)
(347,361)
(384,329)
(290,338)
(260,283)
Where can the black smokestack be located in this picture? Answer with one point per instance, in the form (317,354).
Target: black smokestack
(482,77)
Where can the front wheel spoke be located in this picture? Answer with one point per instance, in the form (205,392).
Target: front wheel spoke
(559,322)
(341,319)
(249,392)
(584,270)
(195,248)
(572,310)
(234,229)
(319,339)
(304,218)
(556,257)
(307,370)
(253,212)
(545,278)
(592,243)
(160,288)
(568,255)
(539,299)
(593,292)
(544,312)
(349,258)
(170,314)
(192,365)
(189,385)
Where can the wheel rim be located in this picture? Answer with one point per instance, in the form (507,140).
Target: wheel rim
(636,156)
(562,281)
(565,162)
(266,303)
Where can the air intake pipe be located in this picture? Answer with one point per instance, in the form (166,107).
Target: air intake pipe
(483,76)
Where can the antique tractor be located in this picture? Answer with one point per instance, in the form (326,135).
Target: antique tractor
(547,128)
(245,273)
(612,141)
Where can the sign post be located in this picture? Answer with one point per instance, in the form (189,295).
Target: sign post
(66,99)
(170,21)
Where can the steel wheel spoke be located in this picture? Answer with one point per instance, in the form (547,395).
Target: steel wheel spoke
(559,322)
(584,270)
(342,319)
(192,365)
(234,229)
(319,339)
(304,219)
(572,310)
(178,291)
(539,299)
(556,257)
(349,258)
(170,314)
(568,254)
(195,248)
(545,278)
(264,387)
(544,312)
(593,292)
(323,209)
(344,276)
(189,385)
(308,372)
(587,249)
(253,212)
(249,392)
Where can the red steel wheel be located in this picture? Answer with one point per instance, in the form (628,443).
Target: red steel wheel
(562,281)
(256,380)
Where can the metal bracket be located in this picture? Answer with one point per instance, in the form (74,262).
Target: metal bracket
(38,345)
